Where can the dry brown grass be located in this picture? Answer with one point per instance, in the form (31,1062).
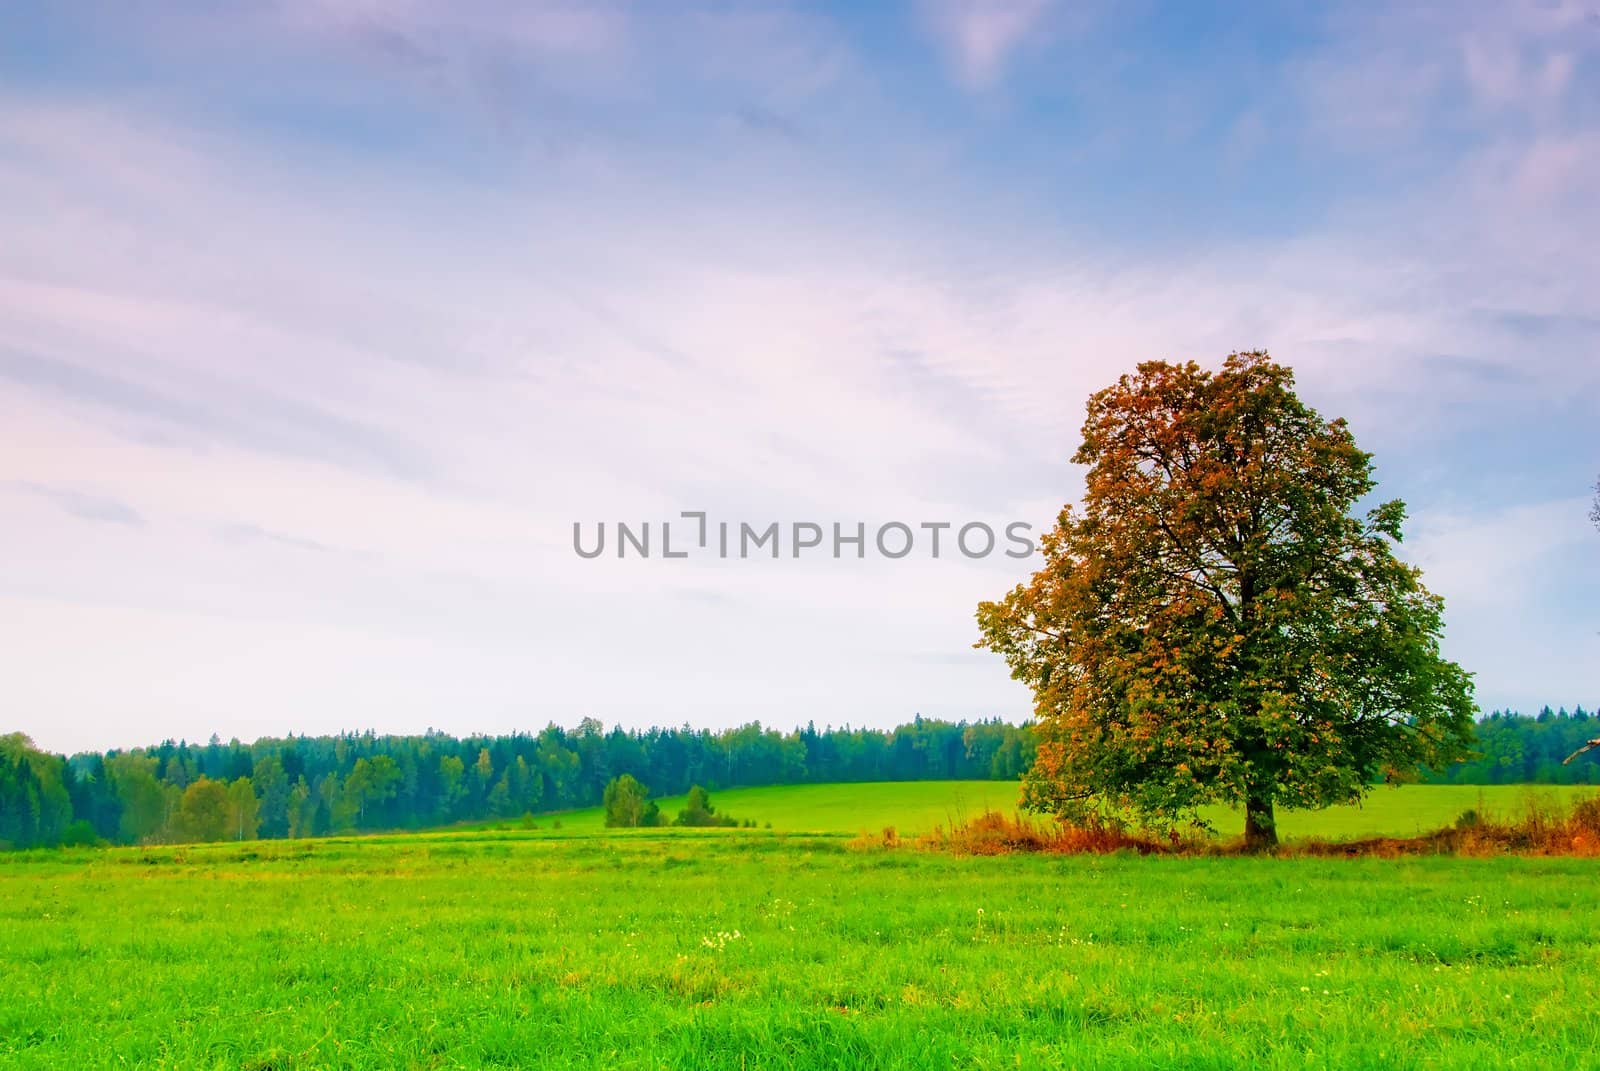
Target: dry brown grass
(994,833)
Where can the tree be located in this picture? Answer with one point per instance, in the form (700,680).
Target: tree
(302,809)
(625,801)
(39,807)
(203,812)
(272,782)
(244,810)
(142,796)
(371,781)
(1594,512)
(698,811)
(1215,625)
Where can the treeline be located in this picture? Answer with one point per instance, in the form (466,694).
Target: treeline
(311,786)
(1528,749)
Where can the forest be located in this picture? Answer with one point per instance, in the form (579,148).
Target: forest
(316,785)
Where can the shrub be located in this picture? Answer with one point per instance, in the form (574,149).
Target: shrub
(698,811)
(79,834)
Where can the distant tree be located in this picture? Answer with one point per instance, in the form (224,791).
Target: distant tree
(40,805)
(698,811)
(483,774)
(203,812)
(626,802)
(301,809)
(271,783)
(144,804)
(331,812)
(452,786)
(244,810)
(1594,512)
(371,782)
(1216,626)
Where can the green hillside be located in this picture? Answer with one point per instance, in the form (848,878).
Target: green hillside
(919,806)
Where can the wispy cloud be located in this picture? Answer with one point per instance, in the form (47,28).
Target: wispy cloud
(86,505)
(980,36)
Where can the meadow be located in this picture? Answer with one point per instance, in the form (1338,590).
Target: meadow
(915,807)
(579,947)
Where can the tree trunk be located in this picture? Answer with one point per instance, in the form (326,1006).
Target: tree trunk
(1260,827)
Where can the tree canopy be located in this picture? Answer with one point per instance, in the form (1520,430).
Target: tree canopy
(1216,624)
(627,803)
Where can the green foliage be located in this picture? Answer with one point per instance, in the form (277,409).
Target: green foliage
(142,796)
(79,833)
(698,811)
(203,812)
(271,783)
(1217,624)
(35,804)
(244,810)
(625,803)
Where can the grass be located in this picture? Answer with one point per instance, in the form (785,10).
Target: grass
(752,949)
(918,806)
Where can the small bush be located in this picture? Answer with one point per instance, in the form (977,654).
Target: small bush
(79,834)
(699,812)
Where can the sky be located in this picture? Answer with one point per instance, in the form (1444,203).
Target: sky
(323,321)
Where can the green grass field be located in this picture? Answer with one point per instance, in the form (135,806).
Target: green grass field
(753,949)
(917,806)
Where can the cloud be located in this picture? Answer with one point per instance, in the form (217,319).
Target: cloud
(86,505)
(374,324)
(244,534)
(979,37)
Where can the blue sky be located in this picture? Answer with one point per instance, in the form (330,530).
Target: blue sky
(322,322)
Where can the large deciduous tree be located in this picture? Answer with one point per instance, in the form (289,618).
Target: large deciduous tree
(1216,624)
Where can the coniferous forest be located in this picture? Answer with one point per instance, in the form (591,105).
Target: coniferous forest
(311,786)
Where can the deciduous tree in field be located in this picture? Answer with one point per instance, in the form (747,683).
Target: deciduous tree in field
(1216,624)
(626,803)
